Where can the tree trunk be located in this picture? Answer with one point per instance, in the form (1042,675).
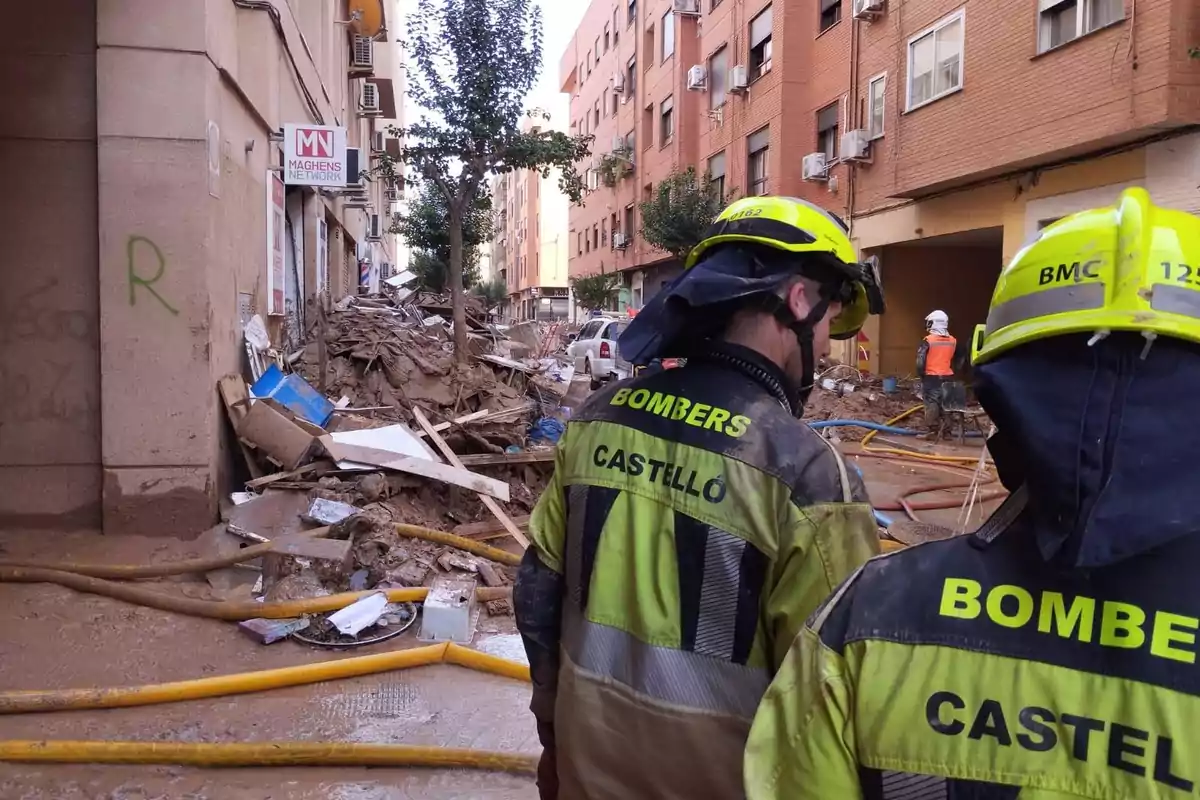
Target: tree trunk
(458,309)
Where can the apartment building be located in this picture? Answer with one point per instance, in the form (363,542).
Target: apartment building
(150,214)
(946,133)
(529,244)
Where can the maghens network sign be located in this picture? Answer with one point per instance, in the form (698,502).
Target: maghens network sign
(314,155)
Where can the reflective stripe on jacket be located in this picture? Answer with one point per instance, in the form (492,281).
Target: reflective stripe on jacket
(697,524)
(966,669)
(939,355)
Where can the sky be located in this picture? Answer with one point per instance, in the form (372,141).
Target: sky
(559,20)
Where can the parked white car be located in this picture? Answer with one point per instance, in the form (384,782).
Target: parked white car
(594,350)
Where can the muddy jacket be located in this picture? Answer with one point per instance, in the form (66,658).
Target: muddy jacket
(691,526)
(1050,656)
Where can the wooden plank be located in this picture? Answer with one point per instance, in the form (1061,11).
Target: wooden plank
(267,480)
(488,526)
(441,426)
(385,459)
(237,402)
(452,457)
(492,459)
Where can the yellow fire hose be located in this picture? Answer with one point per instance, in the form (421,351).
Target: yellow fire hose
(136,571)
(461,542)
(226,610)
(46,700)
(263,754)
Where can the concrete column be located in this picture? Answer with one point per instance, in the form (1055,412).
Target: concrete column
(49,327)
(156,91)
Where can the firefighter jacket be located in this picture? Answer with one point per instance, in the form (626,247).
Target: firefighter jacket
(692,525)
(1049,656)
(935,356)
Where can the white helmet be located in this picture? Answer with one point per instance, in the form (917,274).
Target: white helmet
(937,321)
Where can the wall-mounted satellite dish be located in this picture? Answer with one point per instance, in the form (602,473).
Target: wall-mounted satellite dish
(366,17)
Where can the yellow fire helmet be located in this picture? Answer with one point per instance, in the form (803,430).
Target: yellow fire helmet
(1129,267)
(799,227)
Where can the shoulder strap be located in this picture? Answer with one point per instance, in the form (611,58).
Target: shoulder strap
(843,474)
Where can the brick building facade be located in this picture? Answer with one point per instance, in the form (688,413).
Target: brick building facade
(945,132)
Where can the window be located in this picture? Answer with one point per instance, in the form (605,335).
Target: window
(587,242)
(612,226)
(604,232)
(631,141)
(616,30)
(716,175)
(595,237)
(596,50)
(668,35)
(666,117)
(597,116)
(758,146)
(627,225)
(607,37)
(875,105)
(589,64)
(718,77)
(631,78)
(827,132)
(579,243)
(632,12)
(831,13)
(713,4)
(935,61)
(1060,21)
(648,47)
(648,125)
(760,44)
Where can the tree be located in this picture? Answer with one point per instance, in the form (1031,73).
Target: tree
(491,292)
(472,64)
(682,208)
(426,229)
(596,292)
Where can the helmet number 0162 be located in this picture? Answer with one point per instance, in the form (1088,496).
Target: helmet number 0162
(754,211)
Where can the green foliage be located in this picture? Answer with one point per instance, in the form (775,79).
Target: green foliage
(683,207)
(596,292)
(426,229)
(472,64)
(614,166)
(491,292)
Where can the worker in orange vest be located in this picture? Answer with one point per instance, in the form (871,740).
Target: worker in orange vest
(935,359)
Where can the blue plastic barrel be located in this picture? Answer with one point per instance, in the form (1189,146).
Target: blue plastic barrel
(889,385)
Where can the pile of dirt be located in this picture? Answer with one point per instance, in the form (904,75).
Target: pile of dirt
(866,402)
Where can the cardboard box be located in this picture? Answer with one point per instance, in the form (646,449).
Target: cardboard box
(288,440)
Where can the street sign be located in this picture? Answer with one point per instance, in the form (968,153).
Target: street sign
(314,155)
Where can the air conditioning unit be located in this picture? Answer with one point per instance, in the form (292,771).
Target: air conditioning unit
(738,79)
(377,141)
(391,194)
(868,9)
(620,241)
(618,143)
(624,99)
(618,82)
(370,99)
(362,54)
(375,229)
(814,168)
(697,79)
(687,8)
(855,146)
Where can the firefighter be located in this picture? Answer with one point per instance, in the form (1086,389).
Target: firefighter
(935,365)
(1052,653)
(694,521)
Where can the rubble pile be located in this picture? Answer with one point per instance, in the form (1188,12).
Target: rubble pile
(377,425)
(851,395)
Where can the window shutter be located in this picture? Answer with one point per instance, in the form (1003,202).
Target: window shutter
(759,140)
(760,28)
